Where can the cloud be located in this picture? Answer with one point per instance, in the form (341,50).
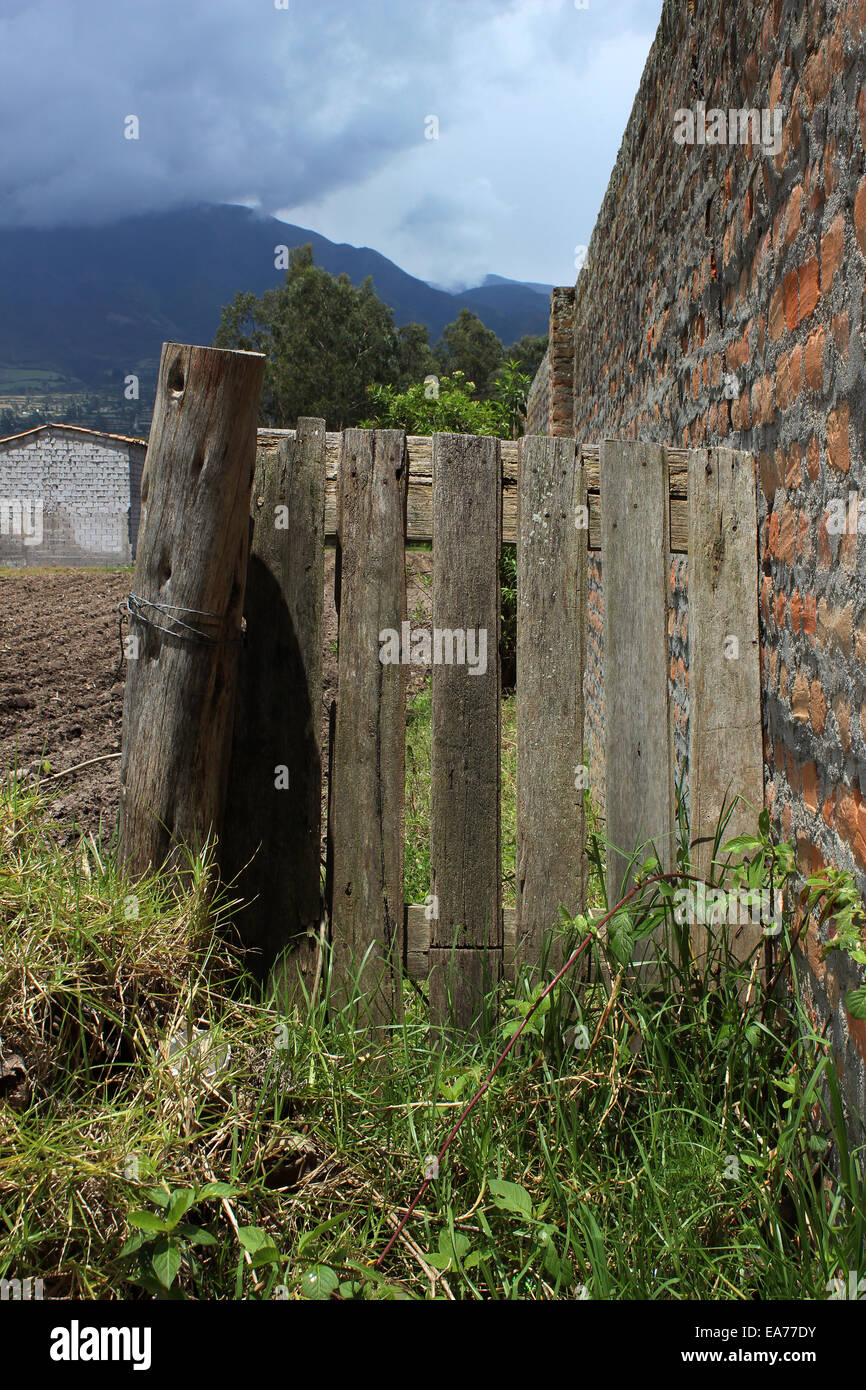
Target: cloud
(319,110)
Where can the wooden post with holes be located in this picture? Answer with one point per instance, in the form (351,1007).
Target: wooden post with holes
(188,595)
(466,931)
(271,847)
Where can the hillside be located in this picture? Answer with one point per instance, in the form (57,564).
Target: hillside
(91,304)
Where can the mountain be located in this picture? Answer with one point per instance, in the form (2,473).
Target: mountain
(94,303)
(546,290)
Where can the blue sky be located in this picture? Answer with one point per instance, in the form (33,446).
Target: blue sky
(318,112)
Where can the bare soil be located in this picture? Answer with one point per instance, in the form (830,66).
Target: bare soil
(62,681)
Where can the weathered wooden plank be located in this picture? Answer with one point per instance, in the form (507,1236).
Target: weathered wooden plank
(419,513)
(465,758)
(551,656)
(187,603)
(638,763)
(725,735)
(272,837)
(366,816)
(417,940)
(679,523)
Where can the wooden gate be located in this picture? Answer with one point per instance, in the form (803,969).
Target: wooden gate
(368,493)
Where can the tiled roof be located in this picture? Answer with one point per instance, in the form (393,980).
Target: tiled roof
(76,429)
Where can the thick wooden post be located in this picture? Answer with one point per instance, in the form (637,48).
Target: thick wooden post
(187,601)
(368,772)
(466,941)
(273,825)
(633,479)
(725,737)
(551,654)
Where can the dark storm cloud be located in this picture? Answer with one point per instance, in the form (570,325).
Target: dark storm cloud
(319,108)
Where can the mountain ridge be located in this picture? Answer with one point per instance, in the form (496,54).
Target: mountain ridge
(96,303)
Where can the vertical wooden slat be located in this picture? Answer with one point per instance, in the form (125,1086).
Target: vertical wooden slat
(551,654)
(638,761)
(370,735)
(725,738)
(187,602)
(272,838)
(466,929)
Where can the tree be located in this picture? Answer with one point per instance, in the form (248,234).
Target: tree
(528,351)
(415,355)
(325,341)
(512,392)
(445,405)
(467,346)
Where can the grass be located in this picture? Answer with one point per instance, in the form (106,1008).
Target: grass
(166,1129)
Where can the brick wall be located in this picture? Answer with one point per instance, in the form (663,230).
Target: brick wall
(551,397)
(89,488)
(722,301)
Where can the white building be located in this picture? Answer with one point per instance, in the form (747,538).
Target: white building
(69,496)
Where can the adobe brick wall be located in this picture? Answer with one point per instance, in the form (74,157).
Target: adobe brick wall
(538,401)
(732,260)
(550,403)
(83,480)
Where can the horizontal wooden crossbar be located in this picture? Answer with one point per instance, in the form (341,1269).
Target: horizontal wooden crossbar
(419,521)
(417,938)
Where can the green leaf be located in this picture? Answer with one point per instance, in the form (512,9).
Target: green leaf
(855,1002)
(134,1243)
(621,937)
(764,822)
(319,1283)
(180,1203)
(146,1221)
(254,1239)
(195,1235)
(741,844)
(166,1262)
(510,1196)
(160,1196)
(309,1236)
(215,1189)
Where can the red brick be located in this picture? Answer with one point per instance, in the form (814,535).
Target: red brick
(791,291)
(800,699)
(794,468)
(813,459)
(810,787)
(813,356)
(793,209)
(817,713)
(796,370)
(832,248)
(787,533)
(842,713)
(838,446)
(783,384)
(809,288)
(842,333)
(860,215)
(810,614)
(851,822)
(857,1033)
(836,627)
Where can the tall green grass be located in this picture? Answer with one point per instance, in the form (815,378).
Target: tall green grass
(168,1129)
